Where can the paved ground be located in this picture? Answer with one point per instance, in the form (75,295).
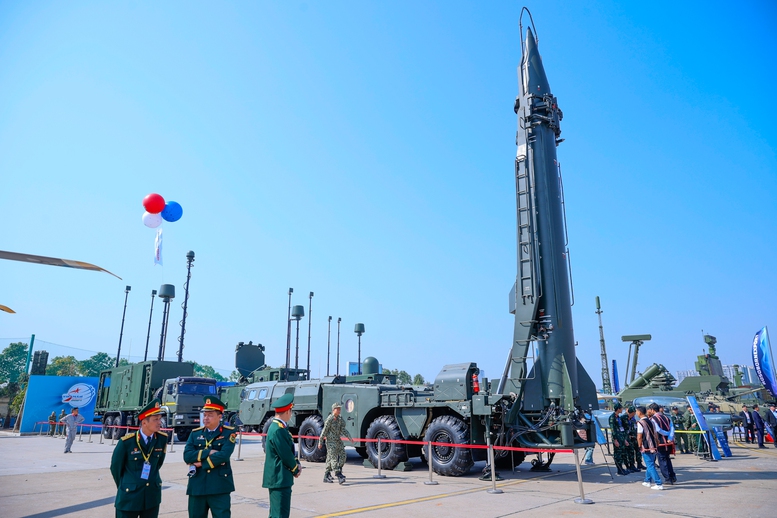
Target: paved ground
(38,480)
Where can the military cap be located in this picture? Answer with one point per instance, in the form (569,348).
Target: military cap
(154,407)
(283,403)
(617,406)
(213,403)
(336,405)
(631,409)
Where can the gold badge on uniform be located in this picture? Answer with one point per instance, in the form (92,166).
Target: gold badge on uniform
(232,438)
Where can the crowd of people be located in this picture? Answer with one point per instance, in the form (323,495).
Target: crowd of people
(642,437)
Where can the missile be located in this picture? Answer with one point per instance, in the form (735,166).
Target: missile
(541,298)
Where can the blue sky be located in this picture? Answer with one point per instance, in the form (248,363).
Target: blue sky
(364,151)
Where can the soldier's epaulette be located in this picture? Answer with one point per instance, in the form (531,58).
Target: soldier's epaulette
(200,428)
(128,436)
(280,423)
(228,427)
(162,434)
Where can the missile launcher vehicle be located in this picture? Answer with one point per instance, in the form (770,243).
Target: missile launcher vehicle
(541,406)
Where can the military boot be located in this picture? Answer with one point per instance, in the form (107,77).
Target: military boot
(340,477)
(328,478)
(621,471)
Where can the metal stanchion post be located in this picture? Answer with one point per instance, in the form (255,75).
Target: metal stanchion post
(172,443)
(430,482)
(102,432)
(493,490)
(582,499)
(380,464)
(80,433)
(239,442)
(40,432)
(91,429)
(299,453)
(113,435)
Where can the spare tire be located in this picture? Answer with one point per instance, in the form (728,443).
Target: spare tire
(312,426)
(391,454)
(449,461)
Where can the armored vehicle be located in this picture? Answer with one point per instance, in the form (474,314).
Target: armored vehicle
(123,391)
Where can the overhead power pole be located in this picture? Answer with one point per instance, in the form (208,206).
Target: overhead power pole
(606,385)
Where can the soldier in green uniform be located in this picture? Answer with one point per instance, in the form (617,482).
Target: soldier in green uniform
(635,456)
(698,445)
(207,451)
(681,439)
(60,426)
(334,430)
(280,464)
(135,466)
(619,439)
(52,423)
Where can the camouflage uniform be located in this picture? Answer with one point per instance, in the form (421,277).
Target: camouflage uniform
(680,439)
(52,423)
(636,455)
(697,442)
(332,433)
(619,435)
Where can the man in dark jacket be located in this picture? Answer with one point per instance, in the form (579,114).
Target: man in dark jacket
(771,421)
(758,424)
(280,464)
(207,451)
(748,424)
(135,466)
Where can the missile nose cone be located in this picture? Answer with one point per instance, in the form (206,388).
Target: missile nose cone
(534,72)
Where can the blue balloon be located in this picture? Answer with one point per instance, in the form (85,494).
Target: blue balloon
(172,211)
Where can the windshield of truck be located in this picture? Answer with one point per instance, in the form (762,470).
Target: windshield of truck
(197,389)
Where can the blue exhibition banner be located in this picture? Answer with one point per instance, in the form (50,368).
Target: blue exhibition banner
(763,361)
(46,394)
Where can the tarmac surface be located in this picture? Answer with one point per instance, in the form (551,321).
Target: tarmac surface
(38,480)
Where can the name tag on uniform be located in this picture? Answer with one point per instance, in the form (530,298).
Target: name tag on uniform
(146,471)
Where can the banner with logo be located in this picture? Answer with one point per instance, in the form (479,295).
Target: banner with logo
(764,362)
(46,394)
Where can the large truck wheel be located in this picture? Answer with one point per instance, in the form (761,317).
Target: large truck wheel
(118,432)
(265,427)
(391,454)
(312,426)
(163,423)
(183,433)
(362,451)
(107,430)
(447,460)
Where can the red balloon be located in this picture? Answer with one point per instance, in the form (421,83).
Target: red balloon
(154,203)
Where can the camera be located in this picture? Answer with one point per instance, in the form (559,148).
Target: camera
(192,470)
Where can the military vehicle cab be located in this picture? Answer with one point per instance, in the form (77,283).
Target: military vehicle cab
(123,391)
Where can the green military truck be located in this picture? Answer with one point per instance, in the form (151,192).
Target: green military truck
(123,391)
(450,412)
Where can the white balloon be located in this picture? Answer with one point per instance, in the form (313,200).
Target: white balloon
(152,220)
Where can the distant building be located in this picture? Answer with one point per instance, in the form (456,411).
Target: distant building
(749,376)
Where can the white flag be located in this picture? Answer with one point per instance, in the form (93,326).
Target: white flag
(158,247)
